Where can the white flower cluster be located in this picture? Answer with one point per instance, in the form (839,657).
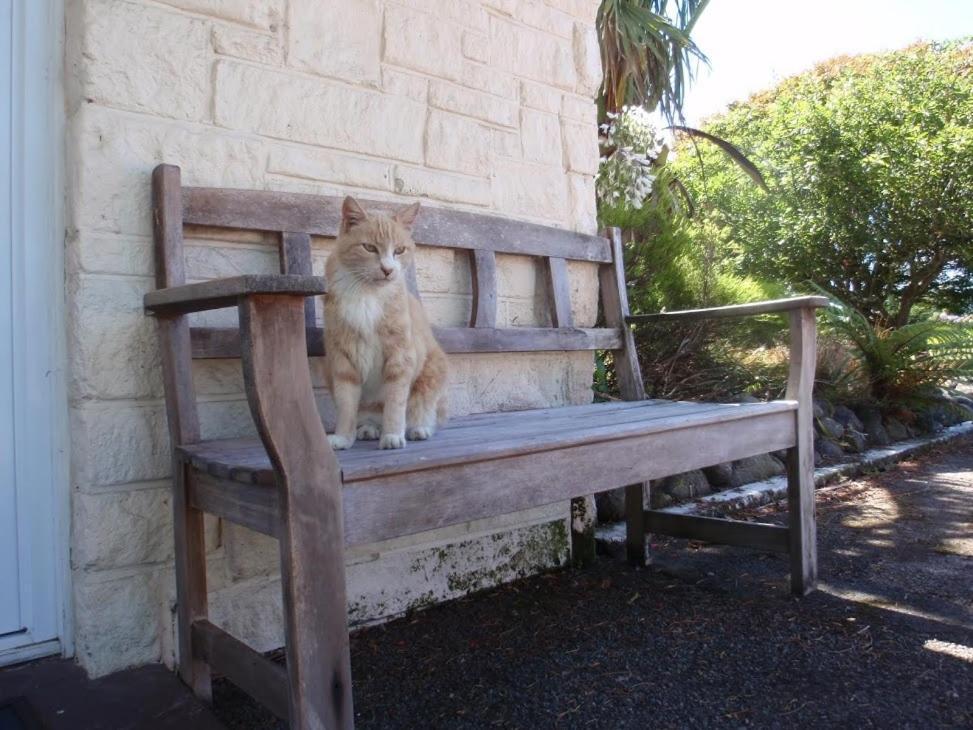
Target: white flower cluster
(632,143)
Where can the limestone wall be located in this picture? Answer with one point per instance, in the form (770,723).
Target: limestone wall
(483,105)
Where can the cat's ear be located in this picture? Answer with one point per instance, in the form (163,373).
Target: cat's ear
(407,216)
(352,214)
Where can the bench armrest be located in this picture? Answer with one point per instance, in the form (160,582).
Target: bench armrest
(736,310)
(219,293)
(803,345)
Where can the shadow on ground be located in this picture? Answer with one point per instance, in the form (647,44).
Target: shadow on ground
(706,636)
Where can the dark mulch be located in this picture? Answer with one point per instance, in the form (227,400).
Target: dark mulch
(708,636)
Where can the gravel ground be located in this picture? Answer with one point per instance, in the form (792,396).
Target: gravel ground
(707,636)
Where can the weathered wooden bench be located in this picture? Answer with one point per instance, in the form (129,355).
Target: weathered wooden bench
(289,483)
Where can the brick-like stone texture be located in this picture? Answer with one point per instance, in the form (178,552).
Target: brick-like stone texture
(340,39)
(535,54)
(482,105)
(423,42)
(580,150)
(136,527)
(458,143)
(284,105)
(116,618)
(161,69)
(540,137)
(262,47)
(258,13)
(472,103)
(587,57)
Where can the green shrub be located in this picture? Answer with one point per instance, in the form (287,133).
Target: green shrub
(675,261)
(904,364)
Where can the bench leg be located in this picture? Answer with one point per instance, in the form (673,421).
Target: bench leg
(801,523)
(311,534)
(315,624)
(635,540)
(191,605)
(583,517)
(800,458)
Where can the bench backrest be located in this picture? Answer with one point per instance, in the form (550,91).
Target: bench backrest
(294,218)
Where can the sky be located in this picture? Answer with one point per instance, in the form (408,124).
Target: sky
(752,44)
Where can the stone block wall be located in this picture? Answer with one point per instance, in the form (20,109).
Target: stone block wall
(483,105)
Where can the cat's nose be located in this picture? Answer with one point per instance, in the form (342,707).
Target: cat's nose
(388,271)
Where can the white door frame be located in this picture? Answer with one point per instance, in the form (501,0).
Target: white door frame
(41,410)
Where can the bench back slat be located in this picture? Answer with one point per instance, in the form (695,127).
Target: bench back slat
(174,334)
(295,253)
(483,266)
(560,290)
(295,258)
(614,301)
(320,215)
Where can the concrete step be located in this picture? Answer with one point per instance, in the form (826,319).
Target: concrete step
(55,694)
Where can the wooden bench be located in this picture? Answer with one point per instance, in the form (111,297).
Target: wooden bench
(288,483)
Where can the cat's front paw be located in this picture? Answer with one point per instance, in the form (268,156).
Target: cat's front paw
(392,441)
(369,432)
(419,433)
(339,442)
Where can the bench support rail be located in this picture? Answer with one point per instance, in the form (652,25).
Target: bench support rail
(253,506)
(248,669)
(712,529)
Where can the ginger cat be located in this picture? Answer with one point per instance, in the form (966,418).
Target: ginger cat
(386,371)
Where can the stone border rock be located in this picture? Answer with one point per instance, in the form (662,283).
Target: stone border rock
(771,490)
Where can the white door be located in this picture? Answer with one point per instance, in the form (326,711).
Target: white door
(31,287)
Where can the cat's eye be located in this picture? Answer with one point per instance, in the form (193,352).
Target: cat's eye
(400,250)
(370,248)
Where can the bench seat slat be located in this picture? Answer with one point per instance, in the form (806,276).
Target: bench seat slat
(540,432)
(490,436)
(460,477)
(245,461)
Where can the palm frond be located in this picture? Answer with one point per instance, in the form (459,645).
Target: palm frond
(648,55)
(731,150)
(908,362)
(677,185)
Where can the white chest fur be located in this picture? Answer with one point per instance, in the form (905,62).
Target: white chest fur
(360,311)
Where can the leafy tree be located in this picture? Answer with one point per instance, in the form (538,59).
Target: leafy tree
(869,162)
